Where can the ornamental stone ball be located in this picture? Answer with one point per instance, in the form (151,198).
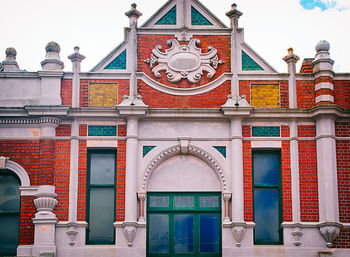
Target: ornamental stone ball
(53,47)
(11,53)
(322,46)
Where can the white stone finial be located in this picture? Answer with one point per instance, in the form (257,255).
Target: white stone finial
(10,63)
(52,59)
(322,46)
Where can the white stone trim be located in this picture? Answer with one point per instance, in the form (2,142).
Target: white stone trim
(19,171)
(324,98)
(184,91)
(176,150)
(324,85)
(266,144)
(28,190)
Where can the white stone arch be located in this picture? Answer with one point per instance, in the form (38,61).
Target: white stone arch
(192,150)
(19,171)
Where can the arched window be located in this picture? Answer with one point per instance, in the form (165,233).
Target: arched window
(9,212)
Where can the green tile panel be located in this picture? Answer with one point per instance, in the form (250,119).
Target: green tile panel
(221,149)
(169,18)
(95,131)
(146,149)
(119,63)
(197,18)
(248,63)
(266,131)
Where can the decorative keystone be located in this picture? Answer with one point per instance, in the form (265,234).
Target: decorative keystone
(130,232)
(52,60)
(330,231)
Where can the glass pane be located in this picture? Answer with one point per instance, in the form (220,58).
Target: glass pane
(159,201)
(209,201)
(209,233)
(266,168)
(184,201)
(9,194)
(266,215)
(9,230)
(158,233)
(101,215)
(102,169)
(183,235)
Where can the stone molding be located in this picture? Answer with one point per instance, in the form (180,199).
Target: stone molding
(18,170)
(324,85)
(192,150)
(324,98)
(42,120)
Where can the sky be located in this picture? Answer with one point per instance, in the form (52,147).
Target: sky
(97,27)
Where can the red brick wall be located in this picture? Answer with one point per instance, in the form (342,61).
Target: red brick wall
(305,94)
(146,43)
(123,89)
(82,176)
(121,158)
(66,92)
(26,154)
(342,93)
(62,170)
(26,226)
(156,99)
(46,162)
(286,176)
(308,175)
(244,89)
(247,175)
(343,240)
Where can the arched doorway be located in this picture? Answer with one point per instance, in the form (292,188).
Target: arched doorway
(9,212)
(184,209)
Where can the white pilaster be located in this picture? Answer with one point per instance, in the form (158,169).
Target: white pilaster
(76,59)
(73,176)
(294,165)
(131,170)
(327,169)
(237,170)
(291,59)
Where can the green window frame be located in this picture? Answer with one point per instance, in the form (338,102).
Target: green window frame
(10,204)
(179,204)
(267,186)
(101,215)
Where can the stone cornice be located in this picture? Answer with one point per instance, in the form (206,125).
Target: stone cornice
(41,120)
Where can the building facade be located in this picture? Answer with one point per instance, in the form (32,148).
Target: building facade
(183,141)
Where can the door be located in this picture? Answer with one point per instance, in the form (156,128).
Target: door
(183,224)
(9,213)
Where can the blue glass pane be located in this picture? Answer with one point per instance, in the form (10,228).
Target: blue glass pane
(184,201)
(159,201)
(9,230)
(266,215)
(102,169)
(119,63)
(198,18)
(169,18)
(248,63)
(266,168)
(183,233)
(101,214)
(158,233)
(209,225)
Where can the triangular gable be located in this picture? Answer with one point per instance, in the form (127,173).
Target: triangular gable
(183,13)
(253,62)
(115,60)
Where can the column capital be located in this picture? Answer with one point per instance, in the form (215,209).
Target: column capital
(236,107)
(132,106)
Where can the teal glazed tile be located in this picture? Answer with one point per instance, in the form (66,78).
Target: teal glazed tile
(221,149)
(197,18)
(248,63)
(119,63)
(102,131)
(146,149)
(169,18)
(266,131)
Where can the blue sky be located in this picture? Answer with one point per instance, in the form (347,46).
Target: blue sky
(97,27)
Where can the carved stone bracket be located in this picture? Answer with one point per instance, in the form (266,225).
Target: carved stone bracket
(297,234)
(238,232)
(330,231)
(130,232)
(184,61)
